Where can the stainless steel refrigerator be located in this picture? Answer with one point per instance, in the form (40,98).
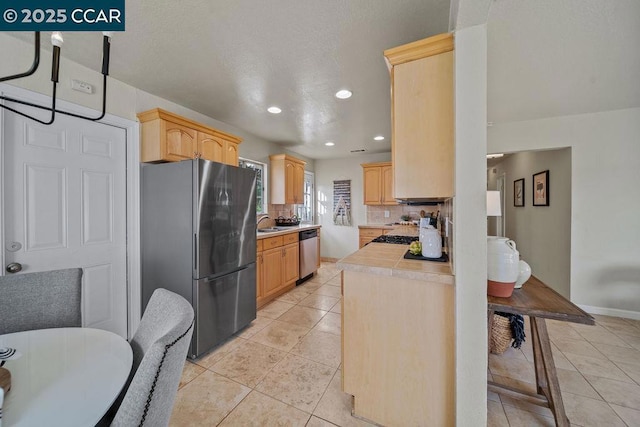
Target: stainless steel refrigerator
(198,239)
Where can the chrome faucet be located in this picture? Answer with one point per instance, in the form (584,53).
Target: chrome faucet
(260,220)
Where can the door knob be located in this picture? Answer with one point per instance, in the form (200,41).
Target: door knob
(14,267)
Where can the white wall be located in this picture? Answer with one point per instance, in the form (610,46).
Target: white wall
(470,225)
(542,233)
(339,241)
(605,200)
(123,100)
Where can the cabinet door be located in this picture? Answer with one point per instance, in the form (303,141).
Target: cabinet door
(289,182)
(298,194)
(368,234)
(290,268)
(180,142)
(363,241)
(272,276)
(210,147)
(372,186)
(231,153)
(387,185)
(259,275)
(423,127)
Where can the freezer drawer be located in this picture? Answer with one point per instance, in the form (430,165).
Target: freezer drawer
(224,305)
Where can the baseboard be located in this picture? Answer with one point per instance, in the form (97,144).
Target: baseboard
(627,314)
(327,259)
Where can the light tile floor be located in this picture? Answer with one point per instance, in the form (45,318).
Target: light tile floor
(598,371)
(284,369)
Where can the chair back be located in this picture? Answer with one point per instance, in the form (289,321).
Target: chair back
(47,299)
(160,347)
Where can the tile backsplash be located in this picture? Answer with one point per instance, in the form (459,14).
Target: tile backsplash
(375,214)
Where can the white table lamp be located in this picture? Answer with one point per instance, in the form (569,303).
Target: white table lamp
(493,203)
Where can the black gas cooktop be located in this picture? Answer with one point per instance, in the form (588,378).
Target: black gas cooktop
(399,240)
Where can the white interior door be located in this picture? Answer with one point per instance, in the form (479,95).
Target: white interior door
(64,199)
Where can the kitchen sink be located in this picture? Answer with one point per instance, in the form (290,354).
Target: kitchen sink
(269,230)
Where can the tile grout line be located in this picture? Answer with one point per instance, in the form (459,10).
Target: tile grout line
(288,352)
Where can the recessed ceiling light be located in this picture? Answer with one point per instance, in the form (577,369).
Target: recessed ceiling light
(274,110)
(329,144)
(379,138)
(494,156)
(343,94)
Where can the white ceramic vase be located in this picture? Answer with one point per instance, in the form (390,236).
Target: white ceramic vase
(503,262)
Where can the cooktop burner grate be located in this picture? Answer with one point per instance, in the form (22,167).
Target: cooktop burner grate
(399,240)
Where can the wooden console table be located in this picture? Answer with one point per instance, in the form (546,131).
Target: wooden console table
(539,302)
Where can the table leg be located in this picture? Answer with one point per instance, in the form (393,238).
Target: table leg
(553,388)
(541,381)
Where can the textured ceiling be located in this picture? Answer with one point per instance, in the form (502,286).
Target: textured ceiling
(552,58)
(230,60)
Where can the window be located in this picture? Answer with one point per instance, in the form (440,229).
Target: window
(305,211)
(261,180)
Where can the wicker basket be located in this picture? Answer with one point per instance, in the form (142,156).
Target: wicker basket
(500,335)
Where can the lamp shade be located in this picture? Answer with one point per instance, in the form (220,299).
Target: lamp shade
(493,203)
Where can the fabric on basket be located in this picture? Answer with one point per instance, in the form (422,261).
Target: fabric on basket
(516,322)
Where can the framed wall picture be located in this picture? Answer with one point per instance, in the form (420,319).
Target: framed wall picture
(541,189)
(518,193)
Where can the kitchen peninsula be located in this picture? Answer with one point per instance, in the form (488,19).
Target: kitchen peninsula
(398,337)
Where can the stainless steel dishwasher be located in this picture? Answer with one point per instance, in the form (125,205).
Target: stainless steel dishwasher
(308,254)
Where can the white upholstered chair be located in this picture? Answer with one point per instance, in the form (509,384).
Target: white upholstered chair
(160,347)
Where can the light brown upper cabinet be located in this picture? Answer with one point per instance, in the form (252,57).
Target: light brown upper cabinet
(287,180)
(422,145)
(168,137)
(378,183)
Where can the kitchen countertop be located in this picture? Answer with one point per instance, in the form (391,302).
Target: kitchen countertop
(383,226)
(287,230)
(396,229)
(385,259)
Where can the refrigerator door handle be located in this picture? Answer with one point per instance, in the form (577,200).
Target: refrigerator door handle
(195,252)
(214,278)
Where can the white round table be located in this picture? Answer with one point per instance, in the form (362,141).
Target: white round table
(65,377)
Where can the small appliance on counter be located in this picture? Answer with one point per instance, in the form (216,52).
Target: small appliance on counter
(430,239)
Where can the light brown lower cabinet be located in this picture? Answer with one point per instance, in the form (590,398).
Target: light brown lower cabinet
(278,267)
(398,358)
(368,234)
(291,264)
(273,268)
(259,271)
